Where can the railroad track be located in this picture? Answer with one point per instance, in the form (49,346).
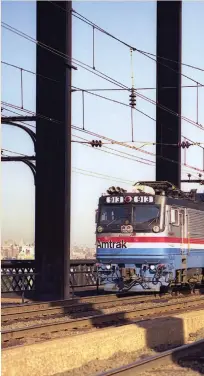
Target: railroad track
(192,352)
(98,321)
(12,314)
(62,307)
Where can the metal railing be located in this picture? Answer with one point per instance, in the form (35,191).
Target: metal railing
(20,276)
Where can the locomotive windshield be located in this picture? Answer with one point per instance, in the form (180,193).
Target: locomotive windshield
(143,214)
(115,215)
(141,217)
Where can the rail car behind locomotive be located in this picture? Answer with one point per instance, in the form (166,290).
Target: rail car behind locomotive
(150,238)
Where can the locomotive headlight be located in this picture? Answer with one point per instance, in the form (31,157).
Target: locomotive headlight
(155,229)
(129,228)
(99,228)
(108,267)
(152,267)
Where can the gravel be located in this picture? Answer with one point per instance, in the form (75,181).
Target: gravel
(39,320)
(120,359)
(75,315)
(190,368)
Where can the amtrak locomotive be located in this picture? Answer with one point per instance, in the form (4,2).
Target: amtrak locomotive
(150,238)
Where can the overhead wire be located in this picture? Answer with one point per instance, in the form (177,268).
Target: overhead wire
(13,152)
(142,88)
(132,147)
(99,89)
(106,98)
(117,142)
(29,71)
(90,23)
(104,76)
(98,73)
(30,112)
(127,105)
(131,155)
(21,122)
(144,143)
(122,154)
(102,176)
(7,104)
(113,141)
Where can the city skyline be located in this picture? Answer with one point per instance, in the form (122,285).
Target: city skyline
(12,250)
(138,21)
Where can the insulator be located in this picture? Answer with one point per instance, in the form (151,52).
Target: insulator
(184,144)
(132,99)
(96,143)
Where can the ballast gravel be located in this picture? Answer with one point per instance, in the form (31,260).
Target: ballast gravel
(39,320)
(189,368)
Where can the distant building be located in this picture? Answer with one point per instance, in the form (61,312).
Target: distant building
(27,252)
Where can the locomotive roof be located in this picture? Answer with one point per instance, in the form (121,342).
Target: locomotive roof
(198,203)
(173,194)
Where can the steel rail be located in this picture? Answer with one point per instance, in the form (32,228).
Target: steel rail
(27,311)
(163,359)
(97,321)
(72,306)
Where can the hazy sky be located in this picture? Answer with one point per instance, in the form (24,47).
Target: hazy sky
(135,23)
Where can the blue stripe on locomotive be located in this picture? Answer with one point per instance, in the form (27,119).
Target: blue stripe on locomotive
(195,257)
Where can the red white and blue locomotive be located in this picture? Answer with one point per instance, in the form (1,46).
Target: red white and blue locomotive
(150,238)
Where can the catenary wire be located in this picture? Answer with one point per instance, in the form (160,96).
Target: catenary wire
(126,145)
(132,147)
(143,113)
(28,71)
(184,170)
(52,50)
(90,23)
(13,152)
(102,175)
(30,112)
(123,156)
(21,122)
(196,143)
(146,143)
(98,89)
(143,88)
(97,72)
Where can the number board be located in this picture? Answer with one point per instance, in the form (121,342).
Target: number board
(130,199)
(143,199)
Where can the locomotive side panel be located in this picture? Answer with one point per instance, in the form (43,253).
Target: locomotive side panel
(196,236)
(196,223)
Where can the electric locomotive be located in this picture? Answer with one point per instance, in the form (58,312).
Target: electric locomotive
(150,238)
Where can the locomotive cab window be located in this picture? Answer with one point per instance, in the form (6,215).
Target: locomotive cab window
(144,213)
(145,217)
(114,214)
